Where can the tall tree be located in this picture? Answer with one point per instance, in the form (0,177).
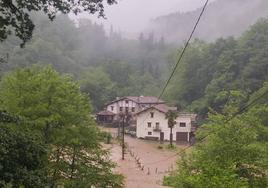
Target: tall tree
(55,108)
(171,117)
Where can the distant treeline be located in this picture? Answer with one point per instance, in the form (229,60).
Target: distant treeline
(223,18)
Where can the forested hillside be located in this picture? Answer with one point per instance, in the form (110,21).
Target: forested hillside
(108,66)
(212,72)
(228,78)
(231,150)
(222,18)
(54,81)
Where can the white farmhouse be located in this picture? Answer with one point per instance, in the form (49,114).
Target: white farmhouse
(152,124)
(130,104)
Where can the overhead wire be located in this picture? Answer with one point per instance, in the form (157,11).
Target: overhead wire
(176,65)
(172,74)
(243,109)
(180,57)
(184,50)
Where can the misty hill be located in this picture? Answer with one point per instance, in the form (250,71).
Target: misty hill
(222,18)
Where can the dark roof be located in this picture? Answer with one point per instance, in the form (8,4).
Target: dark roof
(145,99)
(140,100)
(160,107)
(106,113)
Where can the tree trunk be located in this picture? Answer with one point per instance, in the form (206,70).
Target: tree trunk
(170,137)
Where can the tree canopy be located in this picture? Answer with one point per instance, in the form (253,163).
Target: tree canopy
(52,107)
(15,16)
(209,71)
(234,153)
(140,67)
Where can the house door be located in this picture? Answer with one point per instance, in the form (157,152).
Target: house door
(161,136)
(182,137)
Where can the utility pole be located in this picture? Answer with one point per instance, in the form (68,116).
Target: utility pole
(125,118)
(123,137)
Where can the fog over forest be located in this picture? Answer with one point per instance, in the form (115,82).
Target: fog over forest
(222,18)
(173,19)
(131,17)
(58,75)
(138,66)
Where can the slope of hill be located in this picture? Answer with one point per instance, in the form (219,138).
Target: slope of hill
(222,18)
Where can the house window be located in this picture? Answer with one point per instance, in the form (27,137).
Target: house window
(121,109)
(126,101)
(182,124)
(149,133)
(133,109)
(157,125)
(152,114)
(149,124)
(126,109)
(112,108)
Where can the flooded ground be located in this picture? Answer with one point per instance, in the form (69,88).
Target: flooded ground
(145,164)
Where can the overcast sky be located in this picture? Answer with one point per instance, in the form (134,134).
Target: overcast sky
(132,16)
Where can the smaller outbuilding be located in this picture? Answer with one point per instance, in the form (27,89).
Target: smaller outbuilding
(105,117)
(152,124)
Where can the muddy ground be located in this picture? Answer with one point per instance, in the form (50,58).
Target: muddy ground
(154,163)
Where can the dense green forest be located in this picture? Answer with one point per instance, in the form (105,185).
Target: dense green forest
(231,150)
(119,66)
(108,66)
(70,69)
(47,135)
(227,78)
(211,71)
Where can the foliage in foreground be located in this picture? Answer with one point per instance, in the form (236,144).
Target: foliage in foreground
(233,155)
(22,157)
(15,17)
(68,151)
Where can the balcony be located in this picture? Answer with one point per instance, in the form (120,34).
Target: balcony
(157,129)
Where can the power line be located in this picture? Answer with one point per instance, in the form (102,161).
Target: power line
(180,57)
(184,50)
(175,68)
(252,103)
(172,74)
(243,109)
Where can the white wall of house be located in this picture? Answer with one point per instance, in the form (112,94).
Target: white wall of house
(112,108)
(142,123)
(143,130)
(124,103)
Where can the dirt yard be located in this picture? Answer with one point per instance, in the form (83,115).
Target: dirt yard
(153,165)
